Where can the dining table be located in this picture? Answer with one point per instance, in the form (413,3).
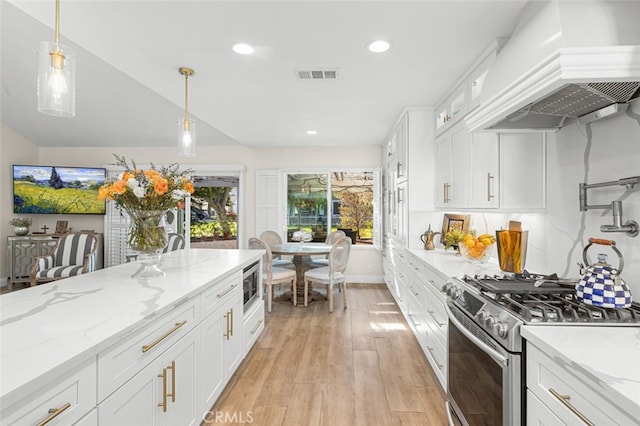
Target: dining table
(301,252)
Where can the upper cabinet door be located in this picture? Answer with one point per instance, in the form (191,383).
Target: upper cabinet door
(452,154)
(402,159)
(484,174)
(522,161)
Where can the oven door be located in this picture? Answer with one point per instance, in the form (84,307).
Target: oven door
(484,380)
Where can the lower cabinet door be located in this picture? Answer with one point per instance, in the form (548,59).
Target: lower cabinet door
(221,352)
(165,392)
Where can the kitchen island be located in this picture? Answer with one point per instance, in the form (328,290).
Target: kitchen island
(86,327)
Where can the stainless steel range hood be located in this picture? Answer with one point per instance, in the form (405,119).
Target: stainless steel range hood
(564,61)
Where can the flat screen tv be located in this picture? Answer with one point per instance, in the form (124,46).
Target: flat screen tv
(57,190)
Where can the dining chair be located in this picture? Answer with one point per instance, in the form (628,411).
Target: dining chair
(174,242)
(332,274)
(273,238)
(332,237)
(272,275)
(73,255)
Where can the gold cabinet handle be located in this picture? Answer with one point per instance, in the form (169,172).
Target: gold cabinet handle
(53,413)
(220,296)
(256,327)
(231,321)
(447,187)
(176,326)
(163,404)
(489,195)
(227,333)
(564,399)
(172,367)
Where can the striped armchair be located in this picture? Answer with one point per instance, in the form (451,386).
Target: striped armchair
(73,255)
(174,242)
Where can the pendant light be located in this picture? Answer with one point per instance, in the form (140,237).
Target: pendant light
(56,76)
(186,126)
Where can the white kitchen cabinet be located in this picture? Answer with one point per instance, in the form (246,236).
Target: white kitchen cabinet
(410,177)
(560,387)
(484,171)
(221,347)
(452,109)
(452,166)
(522,171)
(165,392)
(64,401)
(490,170)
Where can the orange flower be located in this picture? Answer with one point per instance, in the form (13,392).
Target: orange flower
(188,186)
(126,176)
(119,187)
(103,193)
(151,174)
(160,185)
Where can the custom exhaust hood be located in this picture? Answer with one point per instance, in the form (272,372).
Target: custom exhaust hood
(566,61)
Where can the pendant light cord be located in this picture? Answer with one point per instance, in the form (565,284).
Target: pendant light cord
(57,29)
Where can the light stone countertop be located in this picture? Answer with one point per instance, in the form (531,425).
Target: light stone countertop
(47,329)
(607,357)
(451,265)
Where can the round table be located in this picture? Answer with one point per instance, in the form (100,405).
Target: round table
(301,253)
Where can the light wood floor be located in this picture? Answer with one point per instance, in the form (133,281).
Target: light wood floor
(359,366)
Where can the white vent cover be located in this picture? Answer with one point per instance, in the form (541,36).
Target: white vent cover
(320,74)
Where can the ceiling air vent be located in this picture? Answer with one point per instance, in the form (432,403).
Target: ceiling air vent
(328,74)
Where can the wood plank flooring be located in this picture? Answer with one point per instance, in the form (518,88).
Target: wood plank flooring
(359,366)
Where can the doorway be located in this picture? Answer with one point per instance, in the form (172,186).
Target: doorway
(214,211)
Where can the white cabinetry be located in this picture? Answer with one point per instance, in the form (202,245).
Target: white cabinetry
(421,301)
(522,170)
(490,170)
(557,395)
(165,392)
(64,401)
(452,156)
(409,169)
(221,347)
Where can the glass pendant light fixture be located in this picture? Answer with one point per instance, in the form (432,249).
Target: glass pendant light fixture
(56,76)
(186,126)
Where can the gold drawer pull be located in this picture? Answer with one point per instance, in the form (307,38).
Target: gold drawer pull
(220,296)
(163,404)
(564,399)
(176,326)
(53,413)
(231,321)
(489,195)
(172,367)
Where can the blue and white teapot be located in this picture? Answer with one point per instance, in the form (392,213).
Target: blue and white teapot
(601,285)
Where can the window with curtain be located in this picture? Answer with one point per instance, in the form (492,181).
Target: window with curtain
(320,203)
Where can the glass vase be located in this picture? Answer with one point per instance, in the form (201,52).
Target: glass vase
(147,237)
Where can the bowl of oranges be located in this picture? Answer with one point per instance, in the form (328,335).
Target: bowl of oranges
(477,248)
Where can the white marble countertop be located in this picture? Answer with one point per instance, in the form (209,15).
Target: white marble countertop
(607,357)
(46,329)
(451,265)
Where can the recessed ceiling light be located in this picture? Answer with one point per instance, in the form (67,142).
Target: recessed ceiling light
(312,132)
(379,46)
(243,49)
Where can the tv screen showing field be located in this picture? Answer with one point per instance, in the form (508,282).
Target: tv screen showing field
(57,190)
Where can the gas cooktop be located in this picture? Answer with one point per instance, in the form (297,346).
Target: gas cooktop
(547,299)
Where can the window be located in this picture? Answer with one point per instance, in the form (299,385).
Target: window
(320,203)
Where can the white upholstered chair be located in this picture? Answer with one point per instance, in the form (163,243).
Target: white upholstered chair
(272,238)
(332,237)
(272,275)
(73,255)
(333,274)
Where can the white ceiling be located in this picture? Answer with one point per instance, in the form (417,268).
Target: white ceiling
(129,91)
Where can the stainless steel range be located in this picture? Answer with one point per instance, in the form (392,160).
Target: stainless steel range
(486,356)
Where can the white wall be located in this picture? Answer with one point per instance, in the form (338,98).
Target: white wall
(365,262)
